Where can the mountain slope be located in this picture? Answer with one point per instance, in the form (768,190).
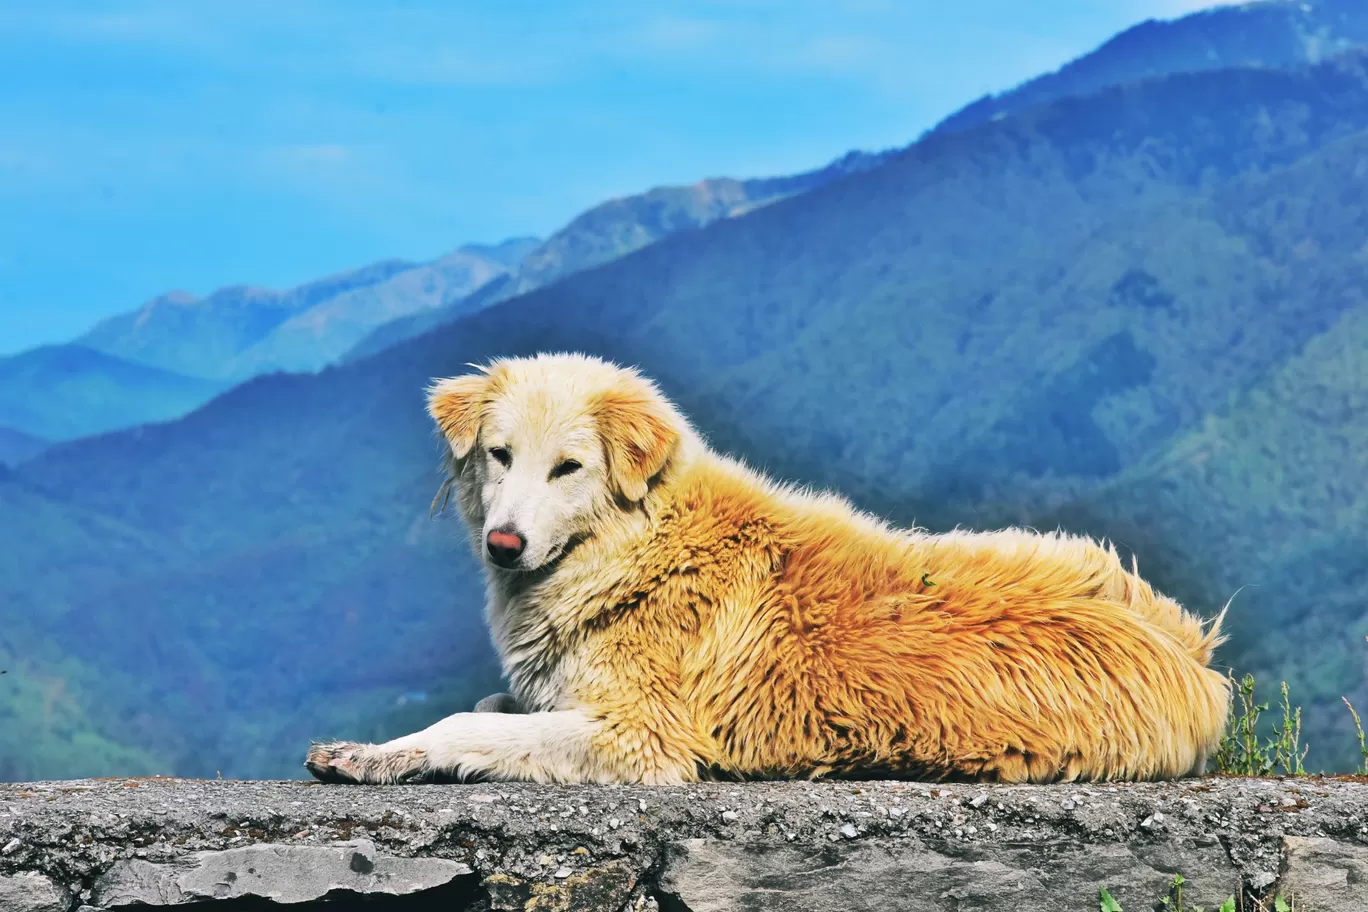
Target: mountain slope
(16,446)
(618,227)
(1264,504)
(59,392)
(994,325)
(200,337)
(897,264)
(1274,33)
(327,330)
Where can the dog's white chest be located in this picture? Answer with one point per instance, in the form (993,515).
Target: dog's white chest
(532,654)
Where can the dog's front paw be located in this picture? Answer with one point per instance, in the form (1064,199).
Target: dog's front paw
(335,761)
(343,761)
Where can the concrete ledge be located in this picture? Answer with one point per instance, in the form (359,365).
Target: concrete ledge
(139,843)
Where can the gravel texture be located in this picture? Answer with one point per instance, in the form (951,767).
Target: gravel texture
(132,843)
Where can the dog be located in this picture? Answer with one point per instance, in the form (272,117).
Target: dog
(666,614)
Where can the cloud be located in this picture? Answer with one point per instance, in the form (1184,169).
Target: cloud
(677,32)
(840,53)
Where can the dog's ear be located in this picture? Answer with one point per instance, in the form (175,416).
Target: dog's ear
(639,434)
(456,404)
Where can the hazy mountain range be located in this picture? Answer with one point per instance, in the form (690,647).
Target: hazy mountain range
(59,392)
(618,227)
(241,332)
(199,346)
(1140,311)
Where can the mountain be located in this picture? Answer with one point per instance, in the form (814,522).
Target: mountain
(1136,313)
(240,332)
(327,330)
(1280,33)
(1273,33)
(1266,500)
(16,446)
(618,227)
(201,336)
(177,351)
(59,392)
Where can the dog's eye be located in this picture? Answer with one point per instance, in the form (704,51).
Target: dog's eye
(502,456)
(567,467)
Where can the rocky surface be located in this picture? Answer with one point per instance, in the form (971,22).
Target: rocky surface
(138,843)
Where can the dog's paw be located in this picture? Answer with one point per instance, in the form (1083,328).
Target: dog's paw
(335,761)
(343,761)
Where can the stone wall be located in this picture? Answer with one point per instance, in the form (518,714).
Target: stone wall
(125,844)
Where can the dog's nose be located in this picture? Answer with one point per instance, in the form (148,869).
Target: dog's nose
(505,547)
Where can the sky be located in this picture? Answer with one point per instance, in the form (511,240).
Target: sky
(151,145)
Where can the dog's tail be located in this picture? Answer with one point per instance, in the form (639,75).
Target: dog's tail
(1198,637)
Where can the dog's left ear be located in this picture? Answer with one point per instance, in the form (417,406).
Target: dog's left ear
(456,405)
(639,434)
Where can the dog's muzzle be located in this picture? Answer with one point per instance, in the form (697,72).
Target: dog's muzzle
(505,547)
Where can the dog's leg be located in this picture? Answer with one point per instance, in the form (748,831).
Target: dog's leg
(562,747)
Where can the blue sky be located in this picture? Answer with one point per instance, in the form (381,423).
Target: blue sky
(151,145)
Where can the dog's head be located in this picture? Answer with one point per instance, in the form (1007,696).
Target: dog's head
(545,447)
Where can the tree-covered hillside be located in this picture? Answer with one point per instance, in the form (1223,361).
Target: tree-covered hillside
(60,392)
(1048,318)
(613,229)
(1270,33)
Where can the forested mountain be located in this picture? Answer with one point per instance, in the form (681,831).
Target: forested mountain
(615,228)
(1274,33)
(16,446)
(1136,313)
(60,392)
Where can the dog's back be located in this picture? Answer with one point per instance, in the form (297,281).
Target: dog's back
(846,647)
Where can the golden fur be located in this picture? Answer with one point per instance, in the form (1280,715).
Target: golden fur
(683,617)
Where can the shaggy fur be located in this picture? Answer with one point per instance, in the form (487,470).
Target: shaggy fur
(678,616)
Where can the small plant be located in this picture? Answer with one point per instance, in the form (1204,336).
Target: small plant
(1287,750)
(1358,726)
(1107,903)
(1241,752)
(1175,898)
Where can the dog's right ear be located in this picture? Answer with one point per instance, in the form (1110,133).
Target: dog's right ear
(456,404)
(639,433)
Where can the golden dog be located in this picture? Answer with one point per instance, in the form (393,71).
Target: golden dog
(666,614)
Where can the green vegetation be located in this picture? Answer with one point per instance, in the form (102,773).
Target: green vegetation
(1288,753)
(1244,749)
(1243,752)
(1174,901)
(1358,728)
